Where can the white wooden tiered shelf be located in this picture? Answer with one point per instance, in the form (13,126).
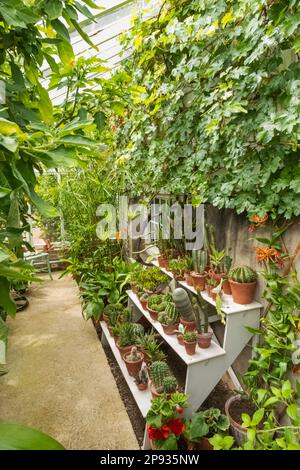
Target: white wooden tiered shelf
(207,366)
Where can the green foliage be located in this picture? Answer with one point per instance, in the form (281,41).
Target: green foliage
(20,437)
(219,114)
(158,302)
(148,279)
(190,336)
(205,423)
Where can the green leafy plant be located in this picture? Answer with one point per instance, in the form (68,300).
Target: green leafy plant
(20,437)
(205,423)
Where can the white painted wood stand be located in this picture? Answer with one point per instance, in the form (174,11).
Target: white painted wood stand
(207,366)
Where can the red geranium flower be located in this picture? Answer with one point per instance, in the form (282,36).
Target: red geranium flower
(176,426)
(161,433)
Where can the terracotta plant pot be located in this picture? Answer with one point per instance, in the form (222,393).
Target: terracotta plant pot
(226,287)
(153,313)
(162,262)
(142,387)
(144,304)
(180,339)
(178,277)
(170,329)
(216,276)
(239,433)
(189,279)
(133,367)
(199,280)
(188,325)
(124,349)
(243,293)
(153,391)
(204,339)
(190,348)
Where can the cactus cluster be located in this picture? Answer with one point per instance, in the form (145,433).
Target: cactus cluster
(189,336)
(169,316)
(158,371)
(158,302)
(127,334)
(242,274)
(169,384)
(142,377)
(183,304)
(199,258)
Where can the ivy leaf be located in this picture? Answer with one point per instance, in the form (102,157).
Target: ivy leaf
(54,9)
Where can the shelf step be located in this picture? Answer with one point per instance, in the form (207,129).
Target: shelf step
(142,398)
(201,354)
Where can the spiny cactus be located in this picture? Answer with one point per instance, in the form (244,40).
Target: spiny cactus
(134,355)
(199,260)
(226,264)
(172,312)
(183,304)
(242,274)
(169,384)
(143,376)
(138,329)
(190,336)
(127,335)
(158,371)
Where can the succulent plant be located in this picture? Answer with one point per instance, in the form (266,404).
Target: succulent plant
(158,371)
(169,384)
(138,330)
(134,355)
(183,304)
(190,336)
(126,335)
(242,274)
(199,258)
(169,316)
(142,377)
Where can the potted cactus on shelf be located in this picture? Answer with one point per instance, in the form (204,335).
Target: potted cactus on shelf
(162,379)
(199,274)
(157,303)
(144,299)
(142,379)
(189,268)
(190,342)
(128,334)
(184,308)
(204,336)
(133,361)
(179,334)
(178,268)
(169,319)
(243,281)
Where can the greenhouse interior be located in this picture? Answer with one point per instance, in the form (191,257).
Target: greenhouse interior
(149,225)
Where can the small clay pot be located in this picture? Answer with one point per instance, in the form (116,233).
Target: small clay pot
(144,304)
(124,349)
(199,280)
(189,279)
(153,313)
(239,433)
(180,339)
(133,367)
(170,329)
(243,293)
(204,339)
(226,287)
(188,325)
(153,390)
(162,262)
(190,348)
(216,276)
(142,387)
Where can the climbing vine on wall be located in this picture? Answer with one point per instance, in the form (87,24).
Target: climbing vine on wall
(219,116)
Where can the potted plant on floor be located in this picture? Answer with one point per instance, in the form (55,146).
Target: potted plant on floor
(142,379)
(203,425)
(169,319)
(164,425)
(133,361)
(190,342)
(184,308)
(243,281)
(160,375)
(199,273)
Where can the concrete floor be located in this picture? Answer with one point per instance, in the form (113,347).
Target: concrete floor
(59,380)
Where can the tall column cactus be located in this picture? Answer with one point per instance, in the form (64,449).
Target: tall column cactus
(183,304)
(199,258)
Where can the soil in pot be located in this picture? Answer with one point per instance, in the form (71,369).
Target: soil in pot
(235,406)
(133,367)
(170,329)
(199,280)
(188,325)
(243,293)
(204,339)
(190,348)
